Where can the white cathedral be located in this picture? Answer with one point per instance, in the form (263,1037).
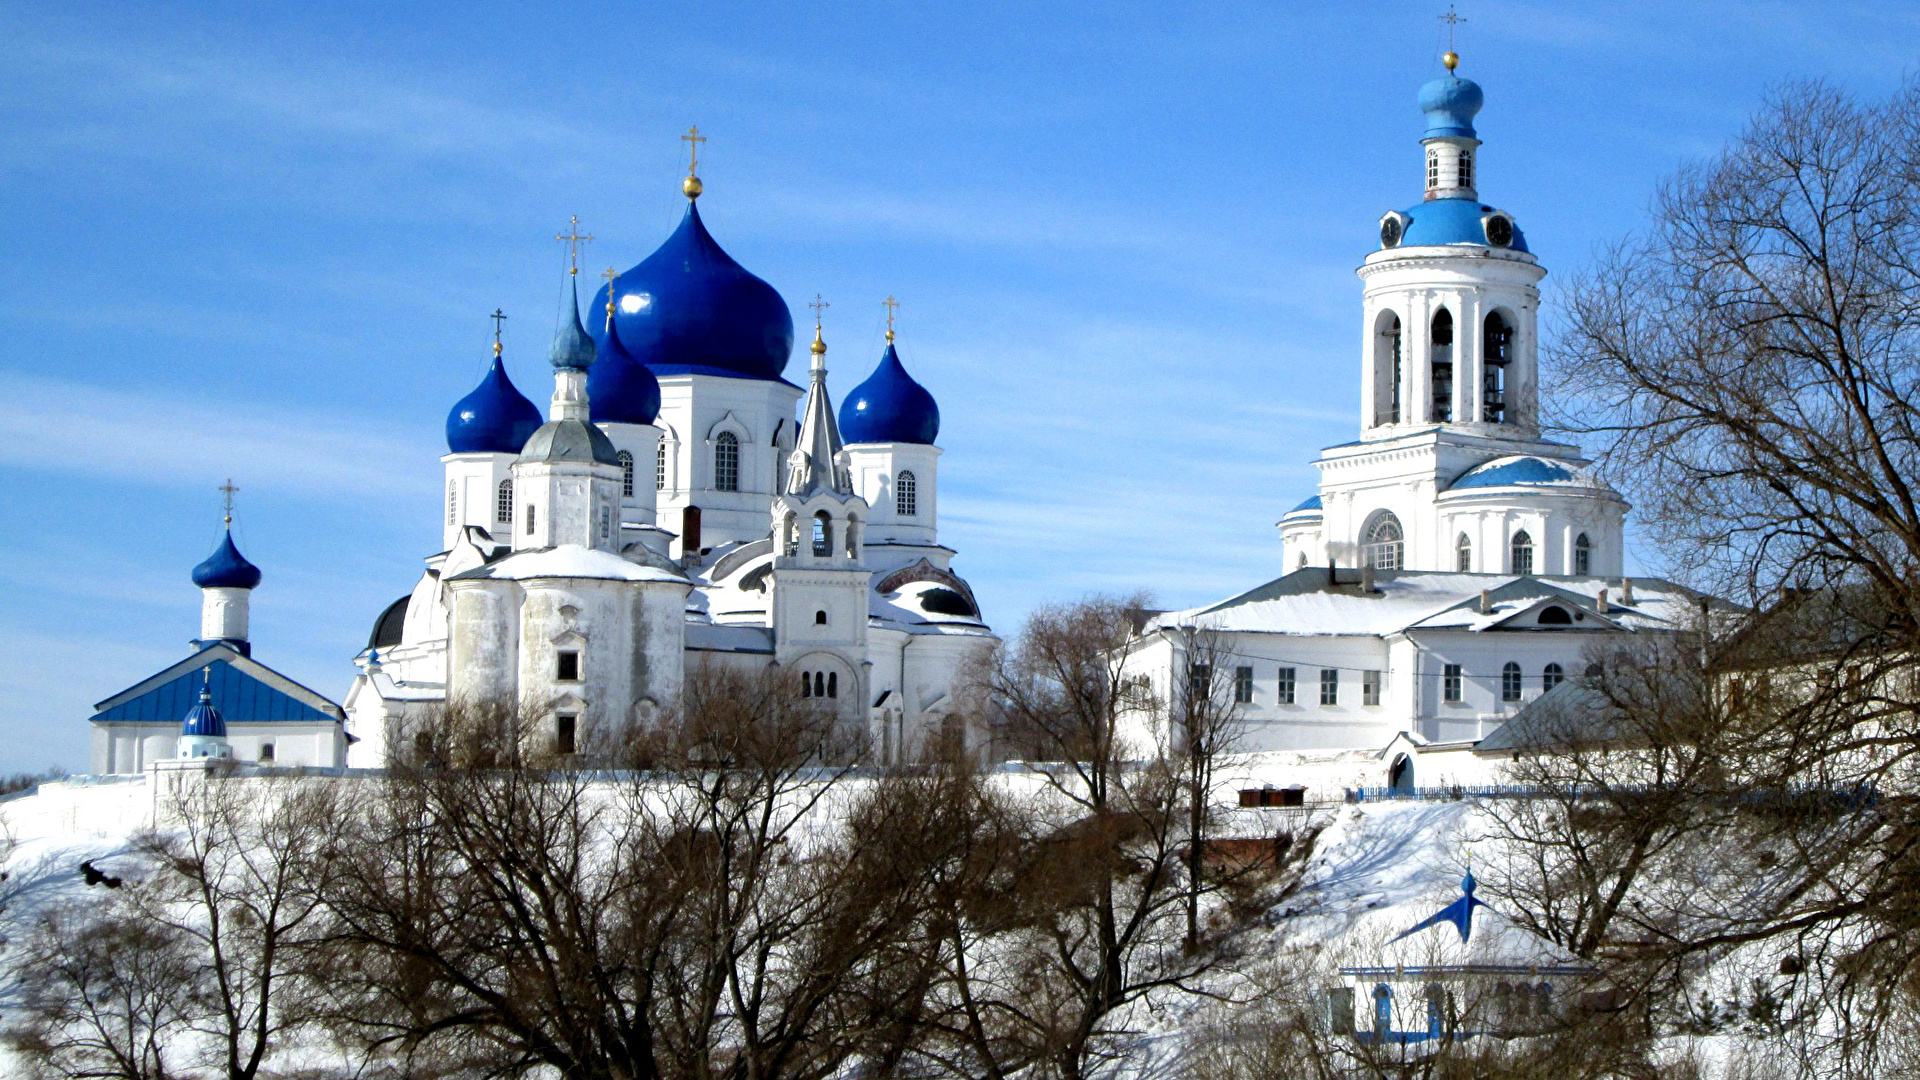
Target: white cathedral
(1455,564)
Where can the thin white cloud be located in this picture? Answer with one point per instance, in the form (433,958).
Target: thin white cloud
(168,440)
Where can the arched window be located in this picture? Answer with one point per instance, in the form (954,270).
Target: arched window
(819,618)
(1520,554)
(660,466)
(1387,374)
(1382,1011)
(1555,615)
(806,685)
(822,535)
(833,684)
(1385,544)
(819,684)
(1442,361)
(1433,169)
(905,498)
(726,462)
(1436,1010)
(1582,554)
(853,537)
(1466,168)
(1543,1001)
(626,472)
(1495,346)
(1510,682)
(1551,676)
(453,504)
(503,503)
(1463,554)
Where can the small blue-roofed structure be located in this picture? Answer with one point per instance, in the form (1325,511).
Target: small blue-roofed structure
(1438,222)
(203,733)
(1311,504)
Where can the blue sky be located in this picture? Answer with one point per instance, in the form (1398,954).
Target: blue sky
(260,241)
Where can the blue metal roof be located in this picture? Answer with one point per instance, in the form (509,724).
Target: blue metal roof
(240,695)
(1312,503)
(572,348)
(496,418)
(1508,472)
(689,309)
(620,389)
(890,407)
(1450,103)
(226,568)
(1452,221)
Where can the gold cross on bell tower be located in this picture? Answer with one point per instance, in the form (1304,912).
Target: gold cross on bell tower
(890,304)
(573,238)
(693,139)
(227,491)
(818,306)
(1450,58)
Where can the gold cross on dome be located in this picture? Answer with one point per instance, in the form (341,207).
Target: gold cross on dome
(498,317)
(573,238)
(1451,20)
(890,304)
(610,274)
(227,491)
(693,139)
(818,306)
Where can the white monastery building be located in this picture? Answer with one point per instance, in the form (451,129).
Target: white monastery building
(1455,564)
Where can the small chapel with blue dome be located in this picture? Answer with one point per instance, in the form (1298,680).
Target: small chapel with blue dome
(681,504)
(218,702)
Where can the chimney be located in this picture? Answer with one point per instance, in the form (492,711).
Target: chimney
(1366,577)
(1626,592)
(1603,601)
(1486,602)
(1333,570)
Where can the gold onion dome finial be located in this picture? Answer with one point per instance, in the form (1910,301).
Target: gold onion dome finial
(1451,59)
(819,346)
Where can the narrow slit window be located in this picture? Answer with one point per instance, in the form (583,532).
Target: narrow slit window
(1463,554)
(453,504)
(563,733)
(660,467)
(1582,555)
(626,473)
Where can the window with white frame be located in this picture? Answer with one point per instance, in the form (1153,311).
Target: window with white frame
(1329,686)
(1520,554)
(1551,676)
(1450,681)
(1385,543)
(453,503)
(626,472)
(503,503)
(1370,687)
(660,466)
(906,498)
(1582,554)
(726,462)
(1242,685)
(1463,554)
(1285,694)
(1510,682)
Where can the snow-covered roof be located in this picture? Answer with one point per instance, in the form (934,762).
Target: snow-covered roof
(569,561)
(1315,601)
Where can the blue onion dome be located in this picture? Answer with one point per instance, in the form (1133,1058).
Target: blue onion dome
(495,419)
(620,389)
(689,309)
(889,407)
(226,568)
(1450,103)
(203,719)
(572,347)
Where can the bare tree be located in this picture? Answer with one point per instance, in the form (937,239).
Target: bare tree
(106,993)
(1750,367)
(1206,723)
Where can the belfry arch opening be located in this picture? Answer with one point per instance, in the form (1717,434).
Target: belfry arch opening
(1388,353)
(1440,355)
(1496,352)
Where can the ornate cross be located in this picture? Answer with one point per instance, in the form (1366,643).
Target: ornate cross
(498,317)
(693,139)
(610,274)
(573,238)
(227,491)
(1451,20)
(818,306)
(890,304)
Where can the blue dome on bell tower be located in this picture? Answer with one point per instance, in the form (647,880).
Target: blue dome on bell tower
(496,418)
(1451,103)
(689,309)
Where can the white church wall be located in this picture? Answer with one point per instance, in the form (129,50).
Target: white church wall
(876,469)
(693,410)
